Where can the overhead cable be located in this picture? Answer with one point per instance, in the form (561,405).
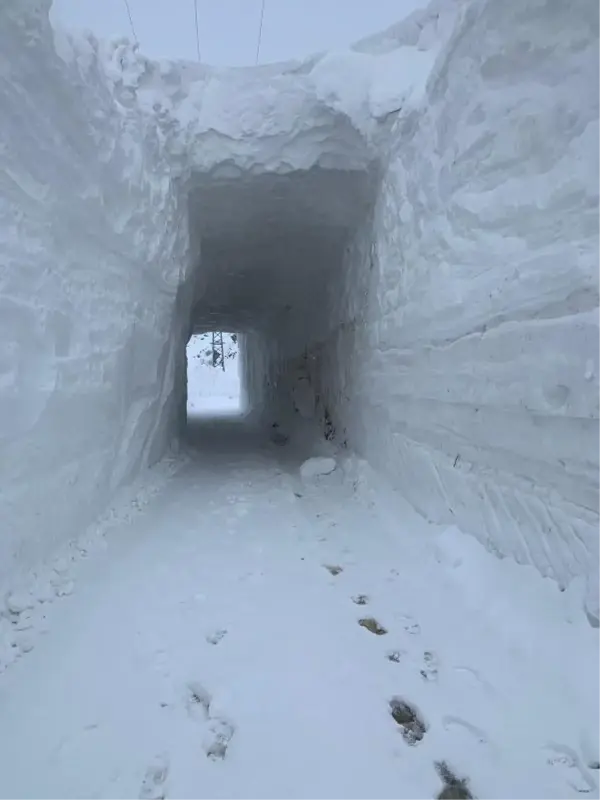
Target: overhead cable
(260,28)
(197,29)
(131,20)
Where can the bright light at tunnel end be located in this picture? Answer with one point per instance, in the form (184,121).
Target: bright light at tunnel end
(213,375)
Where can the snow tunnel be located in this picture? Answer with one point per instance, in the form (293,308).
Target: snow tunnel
(271,267)
(430,253)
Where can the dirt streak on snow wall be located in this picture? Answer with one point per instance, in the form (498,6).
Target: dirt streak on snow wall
(473,371)
(93,266)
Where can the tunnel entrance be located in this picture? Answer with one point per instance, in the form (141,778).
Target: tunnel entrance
(213,375)
(271,260)
(273,264)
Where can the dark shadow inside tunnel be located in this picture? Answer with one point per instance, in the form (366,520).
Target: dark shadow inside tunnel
(271,266)
(272,248)
(219,441)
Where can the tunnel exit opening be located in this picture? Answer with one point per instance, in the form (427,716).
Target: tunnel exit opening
(213,375)
(273,264)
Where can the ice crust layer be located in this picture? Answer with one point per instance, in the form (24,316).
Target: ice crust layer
(417,215)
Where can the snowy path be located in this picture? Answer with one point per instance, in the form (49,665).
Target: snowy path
(210,651)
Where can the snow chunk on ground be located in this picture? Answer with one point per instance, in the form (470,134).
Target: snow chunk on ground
(315,467)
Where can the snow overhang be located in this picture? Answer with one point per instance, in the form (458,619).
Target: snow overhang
(272,245)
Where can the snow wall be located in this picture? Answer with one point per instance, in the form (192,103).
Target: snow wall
(471,377)
(94,259)
(412,223)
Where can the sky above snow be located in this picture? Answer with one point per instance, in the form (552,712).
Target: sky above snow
(229,28)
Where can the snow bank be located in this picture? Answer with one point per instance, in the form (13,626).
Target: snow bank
(94,255)
(471,377)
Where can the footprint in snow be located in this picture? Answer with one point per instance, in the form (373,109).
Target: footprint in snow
(198,701)
(454,788)
(219,730)
(371,624)
(412,725)
(569,766)
(360,599)
(449,721)
(395,656)
(216,636)
(154,783)
(216,742)
(410,625)
(430,666)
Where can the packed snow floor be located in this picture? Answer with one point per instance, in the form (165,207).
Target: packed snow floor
(239,631)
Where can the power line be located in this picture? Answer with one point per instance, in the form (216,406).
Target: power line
(218,350)
(197,29)
(130,20)
(262,16)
